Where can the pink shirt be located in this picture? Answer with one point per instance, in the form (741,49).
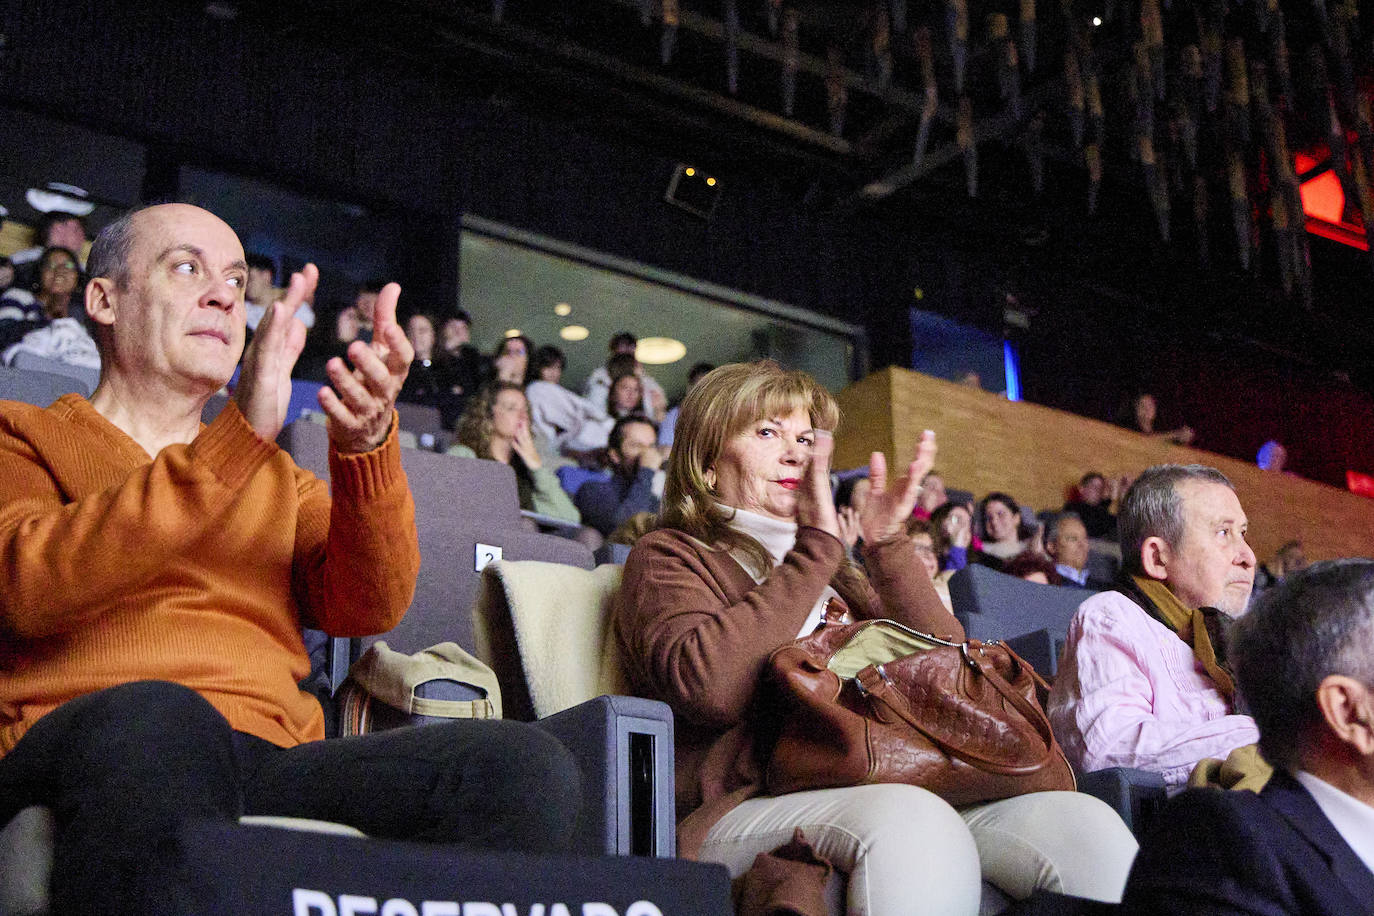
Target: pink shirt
(1130,693)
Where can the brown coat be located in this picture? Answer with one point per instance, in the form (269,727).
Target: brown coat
(695,630)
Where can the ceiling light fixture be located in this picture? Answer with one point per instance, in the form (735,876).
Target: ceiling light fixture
(573,332)
(659,351)
(562,309)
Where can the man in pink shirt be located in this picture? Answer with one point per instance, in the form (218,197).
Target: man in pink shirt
(1143,681)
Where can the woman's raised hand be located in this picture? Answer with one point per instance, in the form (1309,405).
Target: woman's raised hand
(523,445)
(815,504)
(885,514)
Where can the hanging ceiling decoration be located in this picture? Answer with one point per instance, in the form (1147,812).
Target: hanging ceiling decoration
(1219,114)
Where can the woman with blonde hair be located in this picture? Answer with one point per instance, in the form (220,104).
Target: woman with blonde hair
(747,556)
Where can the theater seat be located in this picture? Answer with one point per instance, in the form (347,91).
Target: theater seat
(30,362)
(545,629)
(37,388)
(994,605)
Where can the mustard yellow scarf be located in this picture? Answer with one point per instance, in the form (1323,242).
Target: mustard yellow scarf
(1193,625)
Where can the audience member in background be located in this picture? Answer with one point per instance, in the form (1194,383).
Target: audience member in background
(1272,456)
(636,483)
(469,363)
(850,498)
(1003,537)
(748,557)
(1140,414)
(54,293)
(511,360)
(50,322)
(6,274)
(1143,680)
(669,424)
(1066,541)
(1304,659)
(622,355)
(1093,504)
(496,426)
(430,381)
(262,291)
(626,396)
(572,424)
(56,229)
(932,495)
(922,539)
(1289,558)
(952,527)
(364,305)
(1033,567)
(352,322)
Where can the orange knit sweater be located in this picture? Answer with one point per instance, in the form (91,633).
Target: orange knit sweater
(199,566)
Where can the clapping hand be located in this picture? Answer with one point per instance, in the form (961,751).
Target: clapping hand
(815,503)
(360,412)
(263,393)
(885,514)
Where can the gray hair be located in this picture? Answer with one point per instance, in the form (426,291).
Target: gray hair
(1057,519)
(1311,625)
(110,251)
(1153,508)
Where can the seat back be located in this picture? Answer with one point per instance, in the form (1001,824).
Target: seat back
(1102,566)
(32,362)
(467,512)
(37,388)
(425,423)
(993,605)
(545,629)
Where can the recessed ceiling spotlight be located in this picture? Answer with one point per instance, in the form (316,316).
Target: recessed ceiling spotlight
(659,351)
(573,332)
(562,309)
(513,332)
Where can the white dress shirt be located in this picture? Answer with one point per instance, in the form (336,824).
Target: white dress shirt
(1352,818)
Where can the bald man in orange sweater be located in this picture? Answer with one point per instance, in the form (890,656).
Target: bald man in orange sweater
(159,573)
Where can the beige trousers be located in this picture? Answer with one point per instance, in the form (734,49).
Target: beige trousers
(906,851)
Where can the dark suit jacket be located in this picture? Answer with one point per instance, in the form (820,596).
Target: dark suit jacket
(1212,853)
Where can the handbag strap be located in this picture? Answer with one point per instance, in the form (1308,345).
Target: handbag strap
(876,683)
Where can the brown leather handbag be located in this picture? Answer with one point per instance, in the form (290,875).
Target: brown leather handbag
(878,702)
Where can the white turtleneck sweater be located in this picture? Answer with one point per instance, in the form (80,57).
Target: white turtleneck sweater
(777,537)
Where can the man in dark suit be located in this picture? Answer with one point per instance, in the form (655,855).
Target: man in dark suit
(1304,660)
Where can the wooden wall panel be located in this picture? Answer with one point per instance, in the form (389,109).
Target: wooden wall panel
(1036,453)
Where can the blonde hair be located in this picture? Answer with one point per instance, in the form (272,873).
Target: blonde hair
(723,404)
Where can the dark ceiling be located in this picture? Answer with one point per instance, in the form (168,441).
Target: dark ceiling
(1171,200)
(1164,205)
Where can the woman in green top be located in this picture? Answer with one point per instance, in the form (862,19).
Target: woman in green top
(496,426)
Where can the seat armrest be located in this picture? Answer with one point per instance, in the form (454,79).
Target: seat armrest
(26,861)
(1134,794)
(624,748)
